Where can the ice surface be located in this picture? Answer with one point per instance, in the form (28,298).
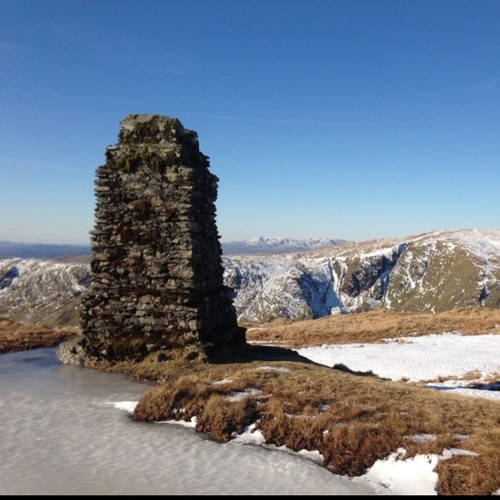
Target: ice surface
(61,435)
(67,430)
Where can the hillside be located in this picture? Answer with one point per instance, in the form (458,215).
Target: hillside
(432,272)
(42,291)
(427,273)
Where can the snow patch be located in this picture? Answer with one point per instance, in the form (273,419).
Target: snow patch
(128,406)
(313,455)
(250,435)
(422,358)
(398,476)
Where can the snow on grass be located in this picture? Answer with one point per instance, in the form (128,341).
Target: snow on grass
(451,452)
(273,369)
(425,358)
(421,438)
(190,424)
(241,395)
(250,435)
(222,382)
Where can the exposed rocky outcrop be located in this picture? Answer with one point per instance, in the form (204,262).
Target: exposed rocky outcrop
(157,277)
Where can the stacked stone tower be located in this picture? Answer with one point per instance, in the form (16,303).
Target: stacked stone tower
(156,257)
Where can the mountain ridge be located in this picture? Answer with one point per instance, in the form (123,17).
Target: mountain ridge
(431,272)
(10,249)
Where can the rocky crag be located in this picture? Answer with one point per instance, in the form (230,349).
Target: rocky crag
(156,270)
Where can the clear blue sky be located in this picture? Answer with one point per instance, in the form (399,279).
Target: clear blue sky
(347,119)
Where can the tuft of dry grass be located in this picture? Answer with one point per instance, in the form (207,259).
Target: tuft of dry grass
(22,336)
(223,420)
(374,326)
(471,475)
(351,420)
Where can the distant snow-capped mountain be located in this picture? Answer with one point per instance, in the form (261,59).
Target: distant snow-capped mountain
(255,245)
(40,250)
(430,272)
(276,245)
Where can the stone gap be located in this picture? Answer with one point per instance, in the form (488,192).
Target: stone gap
(157,275)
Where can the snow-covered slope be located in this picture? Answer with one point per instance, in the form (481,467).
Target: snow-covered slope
(275,245)
(35,290)
(438,270)
(430,272)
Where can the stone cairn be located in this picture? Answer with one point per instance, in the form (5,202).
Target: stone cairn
(157,276)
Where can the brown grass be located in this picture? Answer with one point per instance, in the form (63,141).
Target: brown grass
(373,326)
(22,336)
(470,475)
(351,420)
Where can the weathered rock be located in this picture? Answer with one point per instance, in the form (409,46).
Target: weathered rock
(157,276)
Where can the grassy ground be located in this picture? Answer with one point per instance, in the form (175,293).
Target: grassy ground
(352,419)
(373,326)
(22,336)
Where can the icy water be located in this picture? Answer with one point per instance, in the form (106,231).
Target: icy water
(59,434)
